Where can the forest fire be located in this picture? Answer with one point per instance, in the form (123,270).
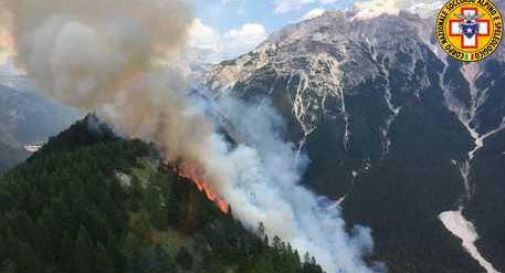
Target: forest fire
(6,41)
(190,171)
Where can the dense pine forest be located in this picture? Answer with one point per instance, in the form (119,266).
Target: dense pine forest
(89,201)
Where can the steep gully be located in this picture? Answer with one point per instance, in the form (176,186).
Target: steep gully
(455,221)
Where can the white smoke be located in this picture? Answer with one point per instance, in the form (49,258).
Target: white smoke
(265,182)
(104,55)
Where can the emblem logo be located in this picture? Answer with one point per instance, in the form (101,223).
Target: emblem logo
(469,30)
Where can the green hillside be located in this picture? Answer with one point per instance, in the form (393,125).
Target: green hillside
(92,202)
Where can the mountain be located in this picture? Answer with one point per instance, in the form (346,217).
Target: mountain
(396,131)
(89,201)
(10,156)
(28,119)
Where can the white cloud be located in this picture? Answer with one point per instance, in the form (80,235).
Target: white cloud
(247,36)
(425,8)
(210,46)
(374,8)
(283,6)
(365,8)
(203,36)
(311,14)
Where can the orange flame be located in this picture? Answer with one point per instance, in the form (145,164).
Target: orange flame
(190,172)
(6,41)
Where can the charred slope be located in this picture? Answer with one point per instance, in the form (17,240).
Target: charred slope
(92,202)
(391,126)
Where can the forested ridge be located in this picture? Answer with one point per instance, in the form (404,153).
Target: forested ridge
(89,201)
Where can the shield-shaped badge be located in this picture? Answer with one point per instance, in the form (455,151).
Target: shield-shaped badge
(469,29)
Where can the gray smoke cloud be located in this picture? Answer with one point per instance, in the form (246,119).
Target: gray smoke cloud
(85,52)
(105,55)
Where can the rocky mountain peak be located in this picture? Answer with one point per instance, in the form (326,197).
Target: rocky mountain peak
(324,57)
(396,131)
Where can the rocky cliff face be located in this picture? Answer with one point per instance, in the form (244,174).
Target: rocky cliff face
(396,132)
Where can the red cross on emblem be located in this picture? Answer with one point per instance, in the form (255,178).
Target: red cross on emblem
(457,28)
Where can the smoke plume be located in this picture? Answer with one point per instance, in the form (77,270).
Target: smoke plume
(105,56)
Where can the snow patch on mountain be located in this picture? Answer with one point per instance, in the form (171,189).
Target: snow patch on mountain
(456,223)
(467,114)
(331,58)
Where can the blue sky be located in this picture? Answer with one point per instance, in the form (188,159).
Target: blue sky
(227,28)
(224,29)
(224,15)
